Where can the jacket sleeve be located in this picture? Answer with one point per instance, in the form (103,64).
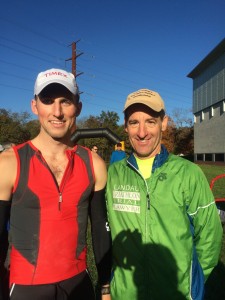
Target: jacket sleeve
(101,236)
(207,227)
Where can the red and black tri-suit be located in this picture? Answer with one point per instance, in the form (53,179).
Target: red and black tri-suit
(48,222)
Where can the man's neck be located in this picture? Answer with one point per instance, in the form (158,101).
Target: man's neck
(51,146)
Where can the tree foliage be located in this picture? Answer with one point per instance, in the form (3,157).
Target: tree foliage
(13,127)
(184,132)
(17,127)
(168,137)
(33,127)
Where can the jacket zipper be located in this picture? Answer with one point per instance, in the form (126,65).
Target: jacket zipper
(60,200)
(65,176)
(148,201)
(147,196)
(148,204)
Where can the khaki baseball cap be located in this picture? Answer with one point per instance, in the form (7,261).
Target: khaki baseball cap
(147,97)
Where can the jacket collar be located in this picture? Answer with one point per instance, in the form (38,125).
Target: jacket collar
(158,161)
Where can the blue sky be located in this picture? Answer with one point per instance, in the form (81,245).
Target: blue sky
(126,45)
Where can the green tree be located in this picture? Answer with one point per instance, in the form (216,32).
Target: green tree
(13,127)
(109,119)
(33,127)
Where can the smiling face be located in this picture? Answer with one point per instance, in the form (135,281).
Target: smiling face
(57,109)
(144,127)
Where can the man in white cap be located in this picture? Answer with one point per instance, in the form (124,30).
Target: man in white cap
(164,222)
(51,186)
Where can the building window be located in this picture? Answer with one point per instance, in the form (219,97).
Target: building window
(211,112)
(202,115)
(199,156)
(208,157)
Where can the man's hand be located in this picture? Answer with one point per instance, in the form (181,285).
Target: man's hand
(105,292)
(106,297)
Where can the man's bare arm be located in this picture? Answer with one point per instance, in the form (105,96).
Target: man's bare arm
(100,172)
(8,169)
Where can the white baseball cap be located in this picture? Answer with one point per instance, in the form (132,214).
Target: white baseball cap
(56,76)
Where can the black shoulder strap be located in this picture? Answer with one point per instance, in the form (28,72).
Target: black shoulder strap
(85,155)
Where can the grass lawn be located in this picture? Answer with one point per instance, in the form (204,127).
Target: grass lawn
(215,287)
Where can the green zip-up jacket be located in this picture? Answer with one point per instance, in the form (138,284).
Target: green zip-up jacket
(166,230)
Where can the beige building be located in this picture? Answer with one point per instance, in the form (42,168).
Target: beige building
(209,106)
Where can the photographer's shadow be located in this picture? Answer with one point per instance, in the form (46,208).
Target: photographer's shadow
(152,265)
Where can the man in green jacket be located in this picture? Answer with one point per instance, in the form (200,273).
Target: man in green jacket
(164,222)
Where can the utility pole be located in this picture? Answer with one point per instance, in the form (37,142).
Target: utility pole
(74,58)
